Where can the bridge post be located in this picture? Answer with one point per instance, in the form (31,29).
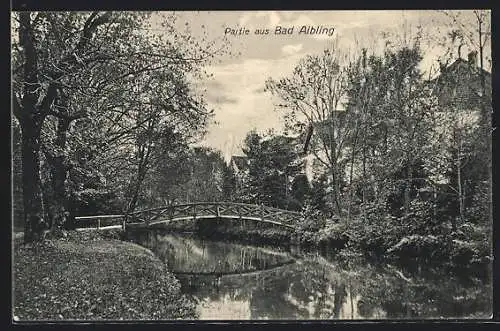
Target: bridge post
(218,209)
(98,223)
(242,220)
(170,208)
(194,212)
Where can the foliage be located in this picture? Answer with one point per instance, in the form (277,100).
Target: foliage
(403,158)
(273,171)
(310,99)
(64,279)
(193,174)
(108,95)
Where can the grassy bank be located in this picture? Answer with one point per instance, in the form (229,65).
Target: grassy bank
(94,276)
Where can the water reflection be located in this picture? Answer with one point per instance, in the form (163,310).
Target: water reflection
(232,281)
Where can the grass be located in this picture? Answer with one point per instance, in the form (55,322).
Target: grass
(88,276)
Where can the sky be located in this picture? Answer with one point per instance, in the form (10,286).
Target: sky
(236,90)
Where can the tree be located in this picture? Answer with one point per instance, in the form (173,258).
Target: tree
(102,67)
(311,98)
(383,97)
(39,71)
(206,180)
(273,165)
(229,185)
(474,30)
(410,106)
(196,174)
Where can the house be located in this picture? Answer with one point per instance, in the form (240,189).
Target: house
(238,164)
(239,167)
(464,102)
(322,128)
(459,86)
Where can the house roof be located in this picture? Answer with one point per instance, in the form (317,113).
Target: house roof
(239,162)
(459,67)
(319,127)
(461,82)
(462,63)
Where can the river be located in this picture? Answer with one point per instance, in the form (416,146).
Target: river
(234,281)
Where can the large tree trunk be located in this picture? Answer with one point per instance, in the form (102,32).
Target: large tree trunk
(34,223)
(135,187)
(31,117)
(363,190)
(58,172)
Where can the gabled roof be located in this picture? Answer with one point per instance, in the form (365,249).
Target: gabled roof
(240,162)
(461,82)
(459,67)
(462,63)
(320,126)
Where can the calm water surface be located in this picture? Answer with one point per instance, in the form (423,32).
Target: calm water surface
(233,281)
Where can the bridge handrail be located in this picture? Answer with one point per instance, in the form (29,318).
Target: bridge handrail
(98,216)
(102,217)
(253,212)
(215,203)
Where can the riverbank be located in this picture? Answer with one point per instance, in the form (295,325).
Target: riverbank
(461,253)
(94,276)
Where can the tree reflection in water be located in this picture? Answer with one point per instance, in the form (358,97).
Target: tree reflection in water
(246,282)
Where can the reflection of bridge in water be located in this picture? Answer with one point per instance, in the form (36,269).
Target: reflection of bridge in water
(195,211)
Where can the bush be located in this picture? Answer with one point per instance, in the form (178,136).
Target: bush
(417,246)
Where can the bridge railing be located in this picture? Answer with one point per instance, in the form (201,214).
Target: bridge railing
(193,211)
(216,209)
(100,222)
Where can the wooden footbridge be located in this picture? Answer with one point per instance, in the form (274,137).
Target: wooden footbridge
(192,212)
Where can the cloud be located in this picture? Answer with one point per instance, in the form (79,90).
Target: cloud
(274,19)
(217,93)
(291,49)
(260,90)
(302,20)
(260,19)
(249,107)
(238,91)
(225,99)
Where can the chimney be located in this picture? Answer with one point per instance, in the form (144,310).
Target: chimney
(472,57)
